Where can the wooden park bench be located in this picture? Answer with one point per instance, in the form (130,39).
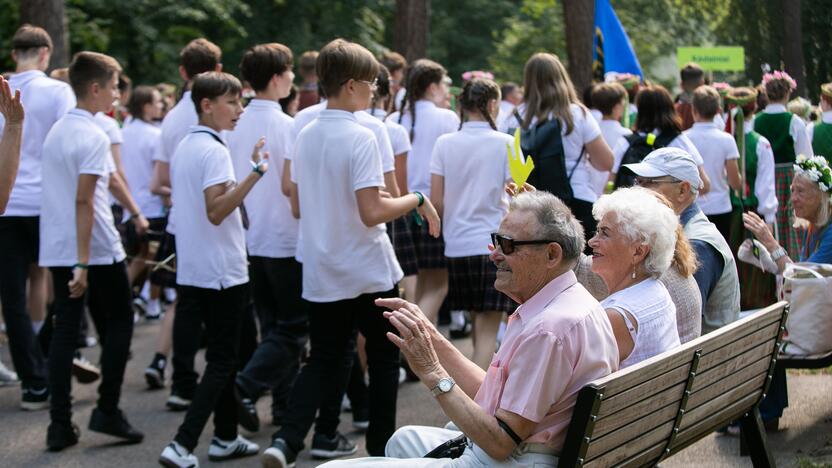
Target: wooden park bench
(647,412)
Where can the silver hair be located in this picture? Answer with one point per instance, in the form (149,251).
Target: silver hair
(555,219)
(824,208)
(643,219)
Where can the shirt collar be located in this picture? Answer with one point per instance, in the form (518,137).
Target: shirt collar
(826,117)
(704,125)
(81,113)
(748,126)
(28,73)
(547,294)
(264,104)
(479,125)
(775,109)
(336,114)
(689,213)
(204,129)
(377,113)
(424,103)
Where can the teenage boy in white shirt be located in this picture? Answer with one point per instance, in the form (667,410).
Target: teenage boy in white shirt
(272,235)
(45,101)
(81,247)
(720,155)
(211,269)
(338,175)
(200,55)
(609,99)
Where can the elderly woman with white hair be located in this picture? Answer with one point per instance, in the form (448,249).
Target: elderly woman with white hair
(632,248)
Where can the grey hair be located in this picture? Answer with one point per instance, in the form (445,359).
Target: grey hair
(556,221)
(643,219)
(824,208)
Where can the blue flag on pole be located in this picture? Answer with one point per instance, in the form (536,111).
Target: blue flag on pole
(612,51)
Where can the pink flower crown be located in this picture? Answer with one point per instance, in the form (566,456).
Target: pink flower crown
(470,75)
(780,75)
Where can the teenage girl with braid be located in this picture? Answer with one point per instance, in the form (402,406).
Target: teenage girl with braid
(469,170)
(426,121)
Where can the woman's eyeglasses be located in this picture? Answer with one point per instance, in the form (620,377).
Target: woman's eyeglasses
(508,245)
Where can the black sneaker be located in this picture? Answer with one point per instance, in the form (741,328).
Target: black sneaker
(337,446)
(84,371)
(246,411)
(154,375)
(279,455)
(114,424)
(34,398)
(60,436)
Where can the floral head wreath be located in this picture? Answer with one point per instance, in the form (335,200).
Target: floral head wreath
(722,88)
(780,75)
(741,101)
(817,170)
(627,80)
(470,75)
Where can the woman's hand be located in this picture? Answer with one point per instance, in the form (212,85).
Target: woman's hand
(760,229)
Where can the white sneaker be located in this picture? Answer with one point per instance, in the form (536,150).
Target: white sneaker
(154,309)
(226,450)
(177,456)
(7,377)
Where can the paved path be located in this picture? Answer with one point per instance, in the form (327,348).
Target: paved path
(807,439)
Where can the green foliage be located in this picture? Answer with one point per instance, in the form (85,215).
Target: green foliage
(8,24)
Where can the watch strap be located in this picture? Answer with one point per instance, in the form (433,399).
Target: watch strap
(437,390)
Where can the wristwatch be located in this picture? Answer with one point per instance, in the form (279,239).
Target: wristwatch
(444,386)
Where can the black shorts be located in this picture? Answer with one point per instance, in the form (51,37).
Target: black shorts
(471,286)
(430,251)
(162,276)
(402,239)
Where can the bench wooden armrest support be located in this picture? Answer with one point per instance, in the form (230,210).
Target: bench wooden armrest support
(645,413)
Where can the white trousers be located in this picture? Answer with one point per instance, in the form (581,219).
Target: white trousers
(410,443)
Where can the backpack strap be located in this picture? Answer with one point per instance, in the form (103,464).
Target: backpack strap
(580,157)
(517,116)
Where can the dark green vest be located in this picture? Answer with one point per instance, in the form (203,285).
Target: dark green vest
(822,140)
(751,140)
(775,127)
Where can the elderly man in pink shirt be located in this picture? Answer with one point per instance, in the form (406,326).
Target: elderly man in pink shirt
(516,414)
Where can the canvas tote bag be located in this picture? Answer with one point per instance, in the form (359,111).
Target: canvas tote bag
(808,288)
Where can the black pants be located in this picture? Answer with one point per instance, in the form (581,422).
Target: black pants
(722,223)
(222,312)
(332,331)
(19,237)
(188,329)
(108,297)
(284,327)
(582,210)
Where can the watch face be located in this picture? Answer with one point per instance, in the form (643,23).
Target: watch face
(445,385)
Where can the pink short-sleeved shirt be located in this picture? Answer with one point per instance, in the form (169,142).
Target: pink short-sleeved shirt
(555,343)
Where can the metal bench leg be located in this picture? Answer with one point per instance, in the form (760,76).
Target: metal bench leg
(753,436)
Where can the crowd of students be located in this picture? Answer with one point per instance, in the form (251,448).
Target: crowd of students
(288,218)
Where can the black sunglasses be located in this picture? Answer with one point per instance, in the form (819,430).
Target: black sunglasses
(508,245)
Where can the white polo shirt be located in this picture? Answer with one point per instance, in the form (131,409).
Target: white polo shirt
(474,163)
(141,148)
(305,117)
(431,123)
(399,138)
(585,129)
(342,258)
(110,127)
(613,132)
(272,230)
(45,101)
(76,145)
(716,148)
(207,256)
(175,126)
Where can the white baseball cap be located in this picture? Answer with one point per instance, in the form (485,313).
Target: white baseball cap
(673,162)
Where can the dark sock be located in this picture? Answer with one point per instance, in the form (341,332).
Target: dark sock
(160,360)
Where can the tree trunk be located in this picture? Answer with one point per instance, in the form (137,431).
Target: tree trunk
(793,44)
(412,28)
(579,18)
(49,15)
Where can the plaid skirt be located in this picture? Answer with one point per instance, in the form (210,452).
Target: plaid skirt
(430,251)
(786,234)
(471,286)
(162,276)
(402,240)
(757,288)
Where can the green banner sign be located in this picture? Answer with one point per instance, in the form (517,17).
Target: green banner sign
(712,58)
